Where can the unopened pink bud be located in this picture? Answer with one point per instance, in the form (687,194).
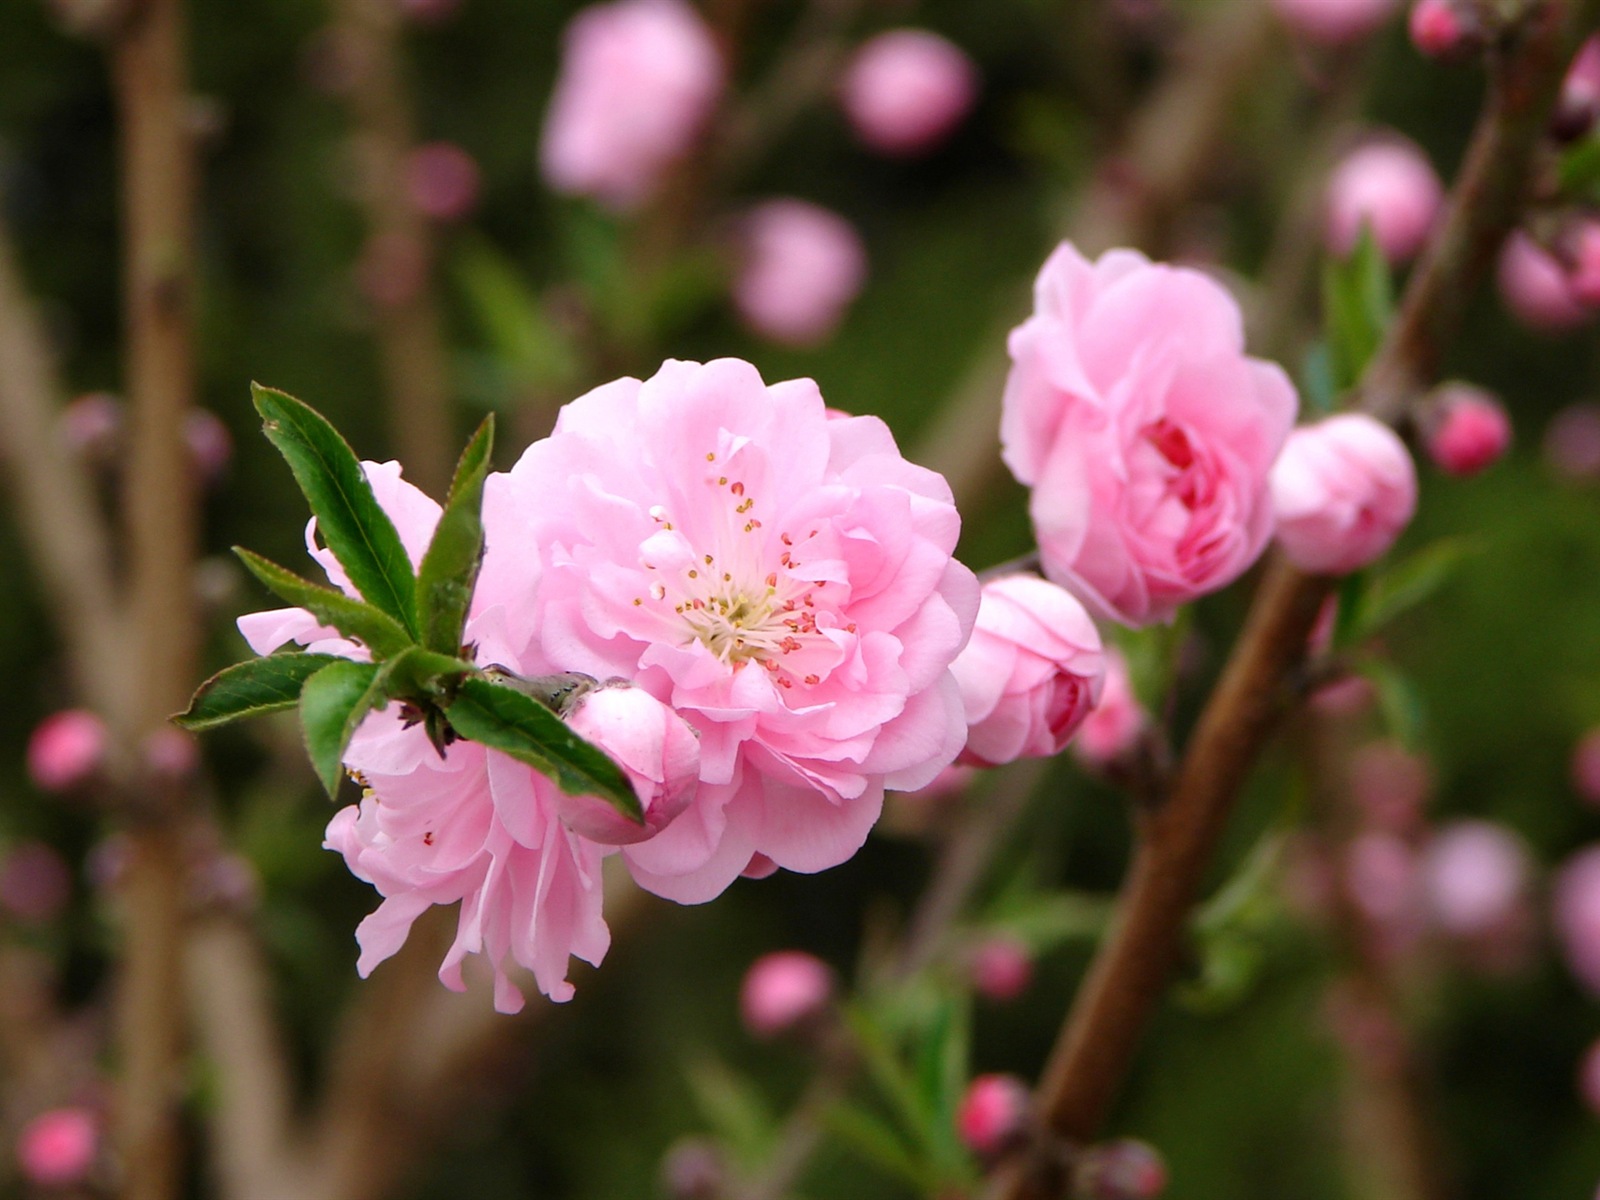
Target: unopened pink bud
(1342,490)
(1389,186)
(907,89)
(693,1169)
(1585,769)
(1390,786)
(800,268)
(1114,725)
(1381,877)
(993,1115)
(1536,288)
(1572,442)
(783,991)
(1436,27)
(656,749)
(35,883)
(210,443)
(171,755)
(66,750)
(442,180)
(58,1147)
(1468,429)
(1584,279)
(1002,968)
(1579,106)
(429,12)
(1122,1170)
(91,426)
(1474,877)
(1576,900)
(1589,1078)
(1334,22)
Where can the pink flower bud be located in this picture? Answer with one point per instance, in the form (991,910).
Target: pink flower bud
(1536,288)
(801,267)
(1390,786)
(655,748)
(638,80)
(1579,106)
(91,426)
(693,1169)
(1585,769)
(66,750)
(1572,442)
(58,1147)
(1467,430)
(1576,900)
(993,1115)
(429,12)
(442,181)
(1115,724)
(1125,1169)
(1342,489)
(35,883)
(1389,186)
(1030,673)
(1436,28)
(1334,22)
(1474,877)
(171,755)
(210,443)
(1589,1078)
(1380,875)
(906,90)
(783,991)
(1001,968)
(1584,279)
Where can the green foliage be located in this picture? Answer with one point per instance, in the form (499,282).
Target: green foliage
(249,689)
(449,569)
(357,620)
(1357,304)
(333,703)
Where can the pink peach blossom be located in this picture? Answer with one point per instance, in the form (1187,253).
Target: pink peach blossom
(1001,968)
(783,991)
(1389,186)
(1468,429)
(1334,22)
(66,750)
(907,89)
(1114,725)
(1436,27)
(801,267)
(1144,431)
(781,579)
(58,1147)
(655,748)
(638,80)
(1342,490)
(442,181)
(1576,900)
(1031,672)
(1475,875)
(993,1113)
(1536,288)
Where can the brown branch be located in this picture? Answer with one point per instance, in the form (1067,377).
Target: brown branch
(1178,839)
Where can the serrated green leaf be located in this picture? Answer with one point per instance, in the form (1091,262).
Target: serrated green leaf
(425,676)
(349,518)
(247,689)
(449,569)
(375,630)
(332,704)
(509,721)
(1357,304)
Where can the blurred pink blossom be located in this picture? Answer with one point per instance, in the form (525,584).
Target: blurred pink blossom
(800,268)
(66,750)
(442,181)
(1001,968)
(655,748)
(1579,106)
(993,1114)
(1380,876)
(1389,186)
(1031,672)
(91,426)
(1334,22)
(210,444)
(1572,441)
(1585,767)
(1536,288)
(35,882)
(1475,875)
(783,991)
(638,80)
(171,755)
(1467,430)
(1390,786)
(1114,725)
(1125,1169)
(1342,491)
(1437,28)
(1144,431)
(58,1147)
(904,91)
(1576,900)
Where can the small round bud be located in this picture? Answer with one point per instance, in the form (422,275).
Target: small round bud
(443,181)
(693,1169)
(1467,430)
(993,1115)
(1001,968)
(1389,186)
(171,755)
(783,991)
(1585,767)
(800,267)
(91,426)
(1576,901)
(1125,1169)
(1536,288)
(35,883)
(210,444)
(66,750)
(57,1148)
(1437,28)
(1475,875)
(1572,442)
(906,90)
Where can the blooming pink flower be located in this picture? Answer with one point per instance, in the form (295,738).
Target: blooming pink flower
(1343,489)
(66,750)
(58,1147)
(1389,186)
(1144,431)
(655,748)
(907,89)
(1113,727)
(1436,27)
(1031,672)
(783,580)
(1475,876)
(638,80)
(1468,429)
(442,181)
(1576,899)
(801,267)
(1334,22)
(993,1113)
(1001,968)
(784,990)
(1536,287)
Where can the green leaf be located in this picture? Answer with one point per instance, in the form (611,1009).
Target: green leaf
(332,704)
(449,569)
(375,630)
(1357,304)
(425,676)
(734,1109)
(865,1133)
(349,518)
(1580,169)
(506,720)
(522,335)
(892,1077)
(942,1072)
(1399,702)
(261,685)
(1413,580)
